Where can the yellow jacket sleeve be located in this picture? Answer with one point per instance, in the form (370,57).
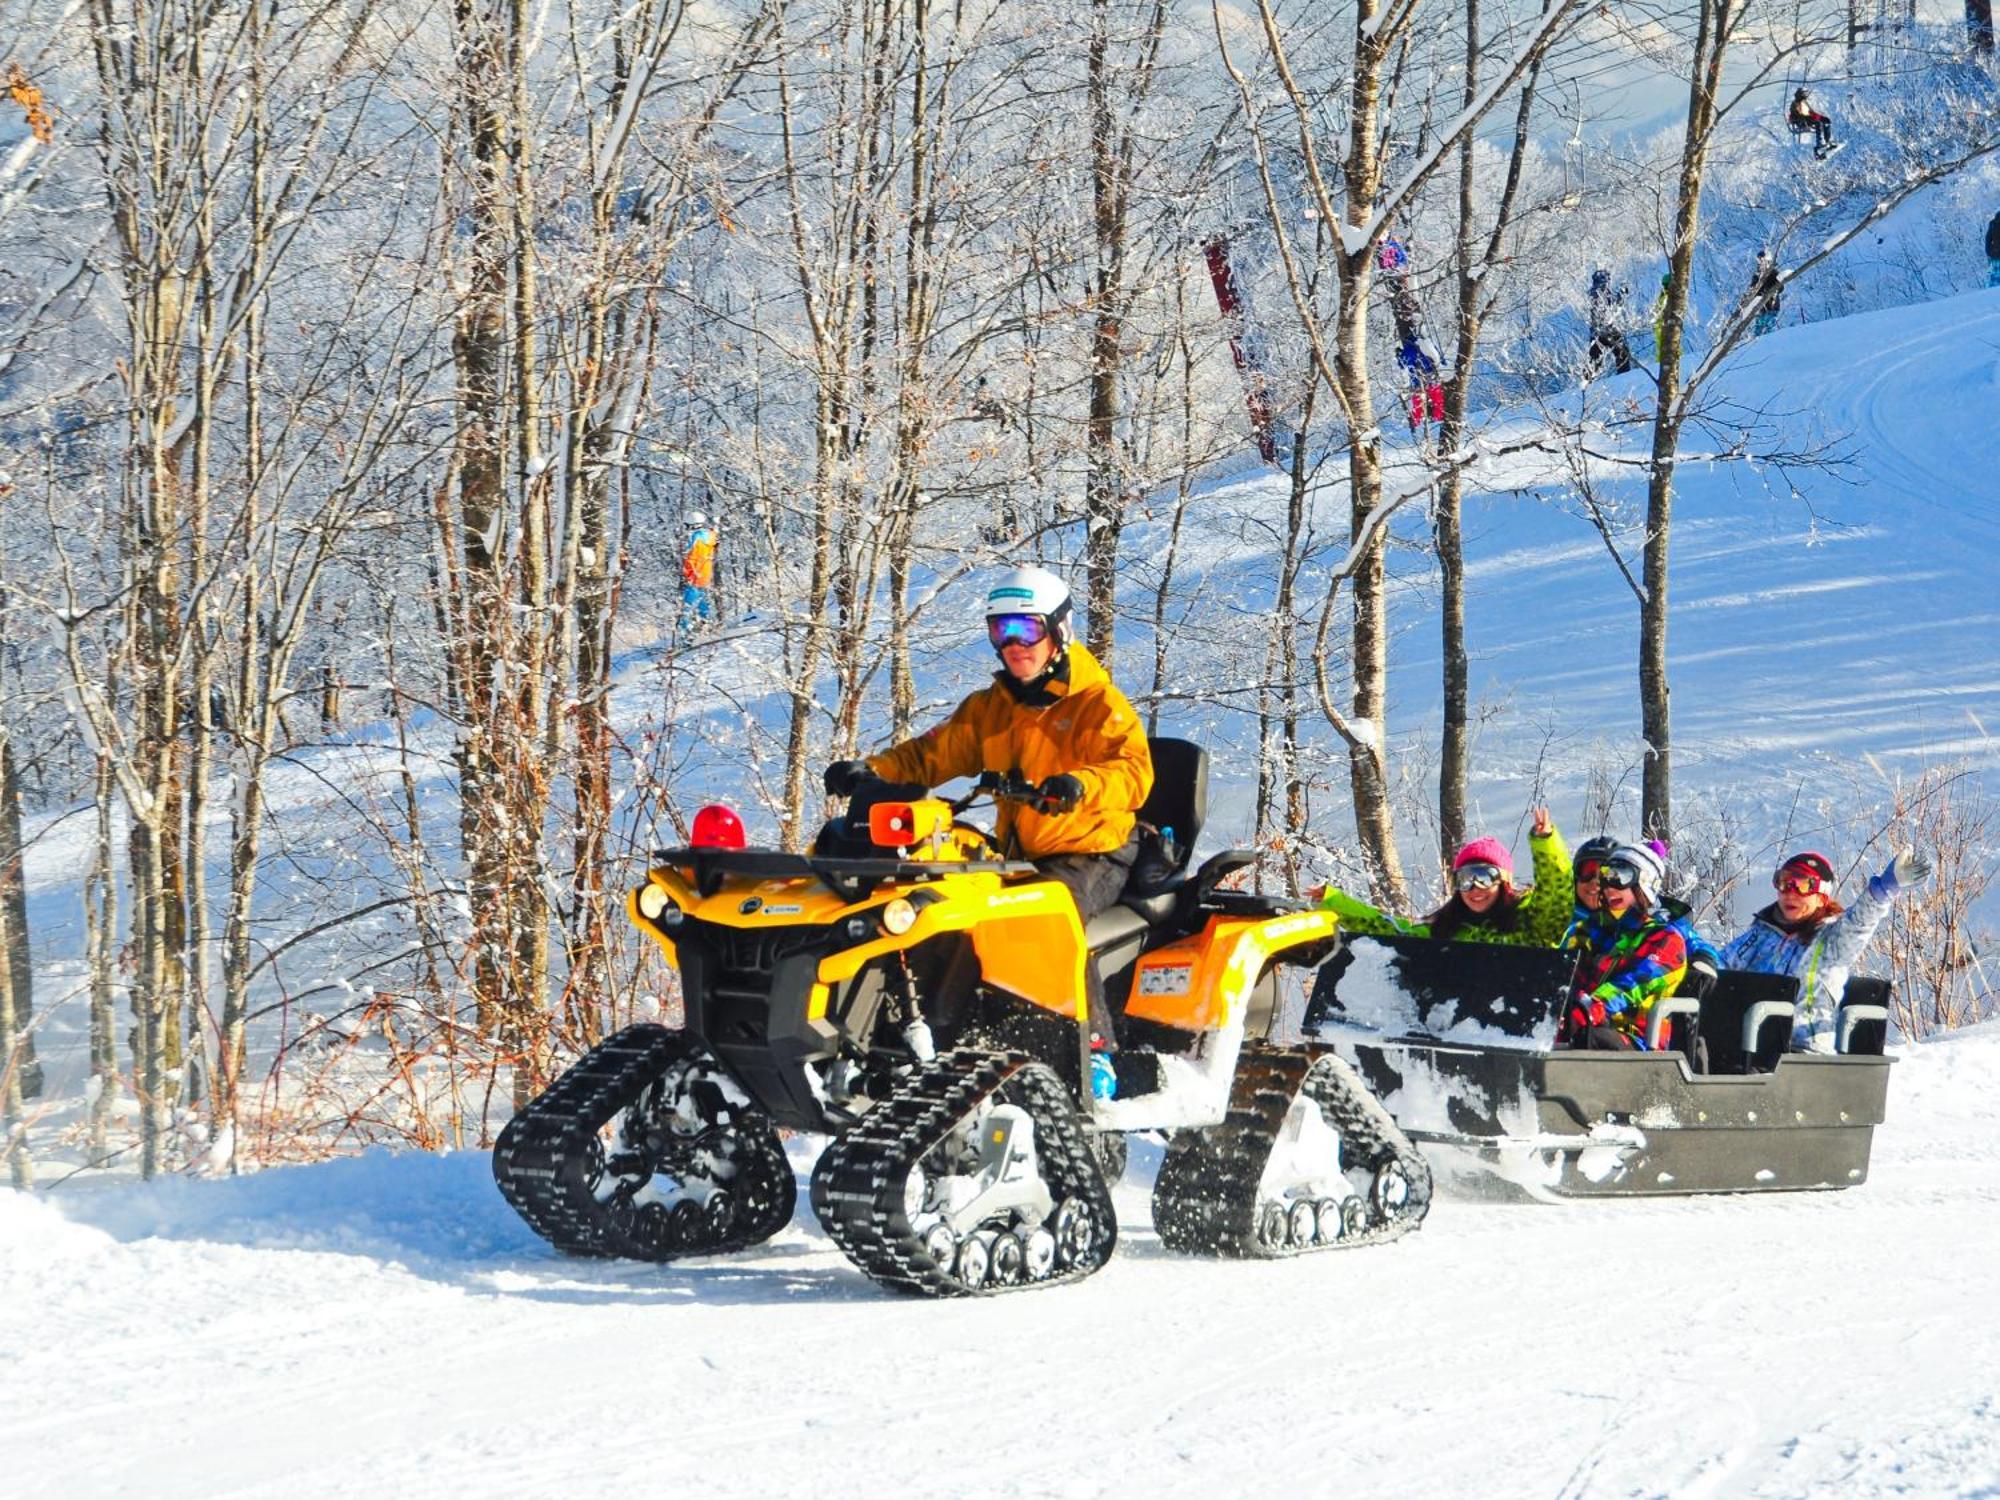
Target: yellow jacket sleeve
(940,753)
(1117,771)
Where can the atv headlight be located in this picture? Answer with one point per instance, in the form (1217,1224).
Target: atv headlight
(898,917)
(656,906)
(857,929)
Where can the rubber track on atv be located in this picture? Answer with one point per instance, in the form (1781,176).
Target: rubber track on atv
(549,1161)
(1205,1199)
(858,1185)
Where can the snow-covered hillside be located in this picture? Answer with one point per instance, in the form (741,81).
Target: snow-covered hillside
(1820,615)
(386,1326)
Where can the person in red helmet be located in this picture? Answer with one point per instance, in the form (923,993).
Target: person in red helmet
(1809,935)
(1485,905)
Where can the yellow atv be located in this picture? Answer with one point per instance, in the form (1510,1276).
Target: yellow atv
(910,991)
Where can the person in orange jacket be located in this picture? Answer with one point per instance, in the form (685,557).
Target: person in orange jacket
(1053,715)
(698,573)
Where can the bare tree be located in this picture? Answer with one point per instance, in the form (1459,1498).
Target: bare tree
(1360,202)
(1481,249)
(1117,92)
(1719,24)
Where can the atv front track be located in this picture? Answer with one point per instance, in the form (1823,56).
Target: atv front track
(862,1185)
(688,1168)
(1210,1197)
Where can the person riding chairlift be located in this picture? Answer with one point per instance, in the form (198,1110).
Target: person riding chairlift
(1802,117)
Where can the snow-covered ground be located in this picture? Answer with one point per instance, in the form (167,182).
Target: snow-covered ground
(385,1326)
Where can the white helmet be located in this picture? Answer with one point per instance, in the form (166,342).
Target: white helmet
(1032,591)
(697,519)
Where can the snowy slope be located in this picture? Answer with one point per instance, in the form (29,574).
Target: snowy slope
(384,1325)
(1819,616)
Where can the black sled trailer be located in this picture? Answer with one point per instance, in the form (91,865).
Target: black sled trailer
(1458,1040)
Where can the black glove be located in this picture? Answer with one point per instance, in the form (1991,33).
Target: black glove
(1060,793)
(843,776)
(1700,977)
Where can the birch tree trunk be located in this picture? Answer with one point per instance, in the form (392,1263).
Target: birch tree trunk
(14,951)
(1115,94)
(1717,20)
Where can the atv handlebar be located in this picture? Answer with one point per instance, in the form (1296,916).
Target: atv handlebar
(1010,787)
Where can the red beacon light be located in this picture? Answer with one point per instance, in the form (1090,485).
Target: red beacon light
(716,826)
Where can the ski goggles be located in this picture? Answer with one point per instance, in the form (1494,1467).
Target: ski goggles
(1798,882)
(1618,877)
(1016,630)
(1587,874)
(1480,877)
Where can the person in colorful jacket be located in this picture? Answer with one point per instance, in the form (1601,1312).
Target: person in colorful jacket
(1053,715)
(1704,958)
(1809,935)
(1629,954)
(1485,906)
(697,574)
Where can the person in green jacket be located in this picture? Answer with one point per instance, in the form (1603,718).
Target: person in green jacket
(1485,905)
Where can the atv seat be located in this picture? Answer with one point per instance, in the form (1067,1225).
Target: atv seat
(1170,822)
(1863,1025)
(1114,927)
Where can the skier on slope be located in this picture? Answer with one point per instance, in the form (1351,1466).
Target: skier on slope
(1993,252)
(1802,117)
(697,574)
(1607,333)
(1416,355)
(1767,290)
(1809,935)
(1053,715)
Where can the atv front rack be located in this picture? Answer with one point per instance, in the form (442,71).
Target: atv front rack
(849,878)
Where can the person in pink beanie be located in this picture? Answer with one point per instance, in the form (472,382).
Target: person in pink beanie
(1485,906)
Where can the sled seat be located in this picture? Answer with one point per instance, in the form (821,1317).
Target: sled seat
(1863,1025)
(1746,1021)
(1684,1008)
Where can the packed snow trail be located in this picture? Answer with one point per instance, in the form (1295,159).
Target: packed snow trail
(386,1325)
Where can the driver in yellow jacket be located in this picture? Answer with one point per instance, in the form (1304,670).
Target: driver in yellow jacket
(1053,715)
